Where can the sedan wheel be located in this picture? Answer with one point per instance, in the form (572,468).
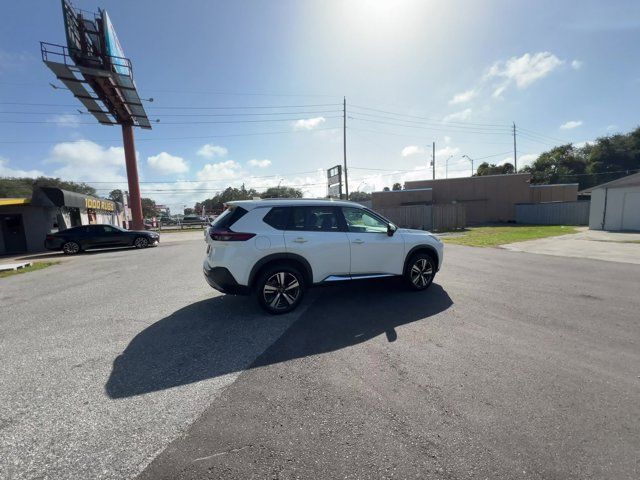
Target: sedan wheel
(280,290)
(70,248)
(420,272)
(141,242)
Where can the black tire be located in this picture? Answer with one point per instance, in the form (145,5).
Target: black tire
(71,248)
(279,289)
(141,242)
(420,271)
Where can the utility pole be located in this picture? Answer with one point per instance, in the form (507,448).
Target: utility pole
(515,151)
(433,159)
(344,146)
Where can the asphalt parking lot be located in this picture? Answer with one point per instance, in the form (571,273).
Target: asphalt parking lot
(513,365)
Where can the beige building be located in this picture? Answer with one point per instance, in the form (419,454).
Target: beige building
(490,198)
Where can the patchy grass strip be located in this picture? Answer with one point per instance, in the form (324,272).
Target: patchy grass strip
(30,268)
(501,235)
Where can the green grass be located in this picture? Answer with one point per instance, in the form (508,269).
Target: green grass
(493,236)
(31,268)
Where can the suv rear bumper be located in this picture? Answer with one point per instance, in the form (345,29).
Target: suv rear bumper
(222,280)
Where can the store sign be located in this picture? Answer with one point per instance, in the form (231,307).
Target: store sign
(97,204)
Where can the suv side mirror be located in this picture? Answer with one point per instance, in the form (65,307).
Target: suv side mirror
(391,229)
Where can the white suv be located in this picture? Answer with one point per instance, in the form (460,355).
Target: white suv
(275,249)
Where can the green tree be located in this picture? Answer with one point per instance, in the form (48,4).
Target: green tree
(492,169)
(281,192)
(396,186)
(606,159)
(24,186)
(149,208)
(189,211)
(359,196)
(386,189)
(115,195)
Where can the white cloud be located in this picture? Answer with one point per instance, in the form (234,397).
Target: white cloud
(526,159)
(166,163)
(6,171)
(209,151)
(576,64)
(447,139)
(66,120)
(308,123)
(462,115)
(412,150)
(86,161)
(526,69)
(463,97)
(264,163)
(611,128)
(226,170)
(571,124)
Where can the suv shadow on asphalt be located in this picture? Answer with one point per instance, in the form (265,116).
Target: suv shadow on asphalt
(215,337)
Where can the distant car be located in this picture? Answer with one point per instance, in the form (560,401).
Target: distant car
(194,220)
(86,237)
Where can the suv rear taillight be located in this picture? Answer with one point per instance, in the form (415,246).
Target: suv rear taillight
(49,237)
(226,235)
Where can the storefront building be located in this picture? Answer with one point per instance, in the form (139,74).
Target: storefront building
(24,222)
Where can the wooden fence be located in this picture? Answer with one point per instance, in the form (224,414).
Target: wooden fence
(553,213)
(437,218)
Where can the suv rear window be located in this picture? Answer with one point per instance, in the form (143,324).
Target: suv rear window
(277,217)
(227,218)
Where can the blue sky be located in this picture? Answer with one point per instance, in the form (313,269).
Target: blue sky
(413,72)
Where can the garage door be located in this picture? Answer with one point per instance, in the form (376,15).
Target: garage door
(631,211)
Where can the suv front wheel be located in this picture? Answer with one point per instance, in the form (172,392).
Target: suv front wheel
(420,271)
(280,289)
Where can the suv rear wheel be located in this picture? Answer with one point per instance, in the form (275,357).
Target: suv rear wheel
(280,289)
(420,271)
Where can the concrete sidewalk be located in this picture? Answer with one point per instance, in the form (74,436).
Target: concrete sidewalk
(594,244)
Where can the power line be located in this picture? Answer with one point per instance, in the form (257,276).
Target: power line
(185,114)
(426,128)
(168,123)
(438,126)
(442,122)
(197,137)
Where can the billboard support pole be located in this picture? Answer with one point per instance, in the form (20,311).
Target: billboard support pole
(132,176)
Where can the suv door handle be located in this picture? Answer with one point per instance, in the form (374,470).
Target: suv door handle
(300,240)
(357,240)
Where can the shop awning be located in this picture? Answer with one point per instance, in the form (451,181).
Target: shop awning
(14,201)
(56,197)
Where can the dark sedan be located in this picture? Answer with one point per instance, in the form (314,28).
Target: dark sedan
(76,239)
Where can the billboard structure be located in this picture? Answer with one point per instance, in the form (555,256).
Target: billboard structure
(334,182)
(93,67)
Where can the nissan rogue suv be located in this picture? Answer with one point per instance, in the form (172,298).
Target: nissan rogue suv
(276,249)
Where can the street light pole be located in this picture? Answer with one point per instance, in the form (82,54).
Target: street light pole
(446,174)
(471,160)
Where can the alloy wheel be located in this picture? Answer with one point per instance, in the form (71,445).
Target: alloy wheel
(71,247)
(421,272)
(141,242)
(281,290)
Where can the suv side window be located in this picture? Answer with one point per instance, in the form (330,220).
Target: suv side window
(362,221)
(277,217)
(314,219)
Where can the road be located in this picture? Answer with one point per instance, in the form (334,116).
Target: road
(513,365)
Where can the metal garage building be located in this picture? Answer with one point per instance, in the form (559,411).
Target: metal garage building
(615,205)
